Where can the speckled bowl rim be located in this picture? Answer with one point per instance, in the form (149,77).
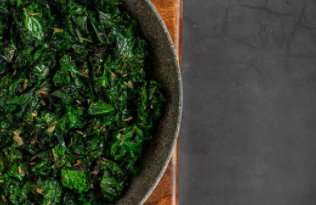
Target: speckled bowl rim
(176,133)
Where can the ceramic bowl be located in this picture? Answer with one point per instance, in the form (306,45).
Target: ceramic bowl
(166,70)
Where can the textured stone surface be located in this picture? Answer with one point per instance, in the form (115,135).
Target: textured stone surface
(248,133)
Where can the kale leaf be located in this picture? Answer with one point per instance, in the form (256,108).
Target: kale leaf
(77,101)
(74,180)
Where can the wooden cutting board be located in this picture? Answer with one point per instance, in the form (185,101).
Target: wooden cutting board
(166,192)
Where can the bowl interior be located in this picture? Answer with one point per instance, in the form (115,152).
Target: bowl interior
(165,70)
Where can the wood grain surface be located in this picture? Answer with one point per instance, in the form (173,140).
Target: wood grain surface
(166,193)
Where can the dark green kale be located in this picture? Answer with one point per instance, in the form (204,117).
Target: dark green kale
(77,102)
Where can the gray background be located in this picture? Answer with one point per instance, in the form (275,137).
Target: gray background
(248,133)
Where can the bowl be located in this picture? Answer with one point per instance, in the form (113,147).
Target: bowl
(166,70)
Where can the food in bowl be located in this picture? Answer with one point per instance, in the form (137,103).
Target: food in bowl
(77,102)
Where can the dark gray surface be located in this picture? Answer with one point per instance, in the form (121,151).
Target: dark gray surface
(249,127)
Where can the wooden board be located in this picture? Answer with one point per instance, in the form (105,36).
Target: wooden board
(166,192)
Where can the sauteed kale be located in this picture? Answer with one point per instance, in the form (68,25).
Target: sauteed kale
(76,101)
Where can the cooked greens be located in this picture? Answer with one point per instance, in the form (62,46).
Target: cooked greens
(77,102)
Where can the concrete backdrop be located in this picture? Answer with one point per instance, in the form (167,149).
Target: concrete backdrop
(249,126)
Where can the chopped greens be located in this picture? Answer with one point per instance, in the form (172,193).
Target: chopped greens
(77,102)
